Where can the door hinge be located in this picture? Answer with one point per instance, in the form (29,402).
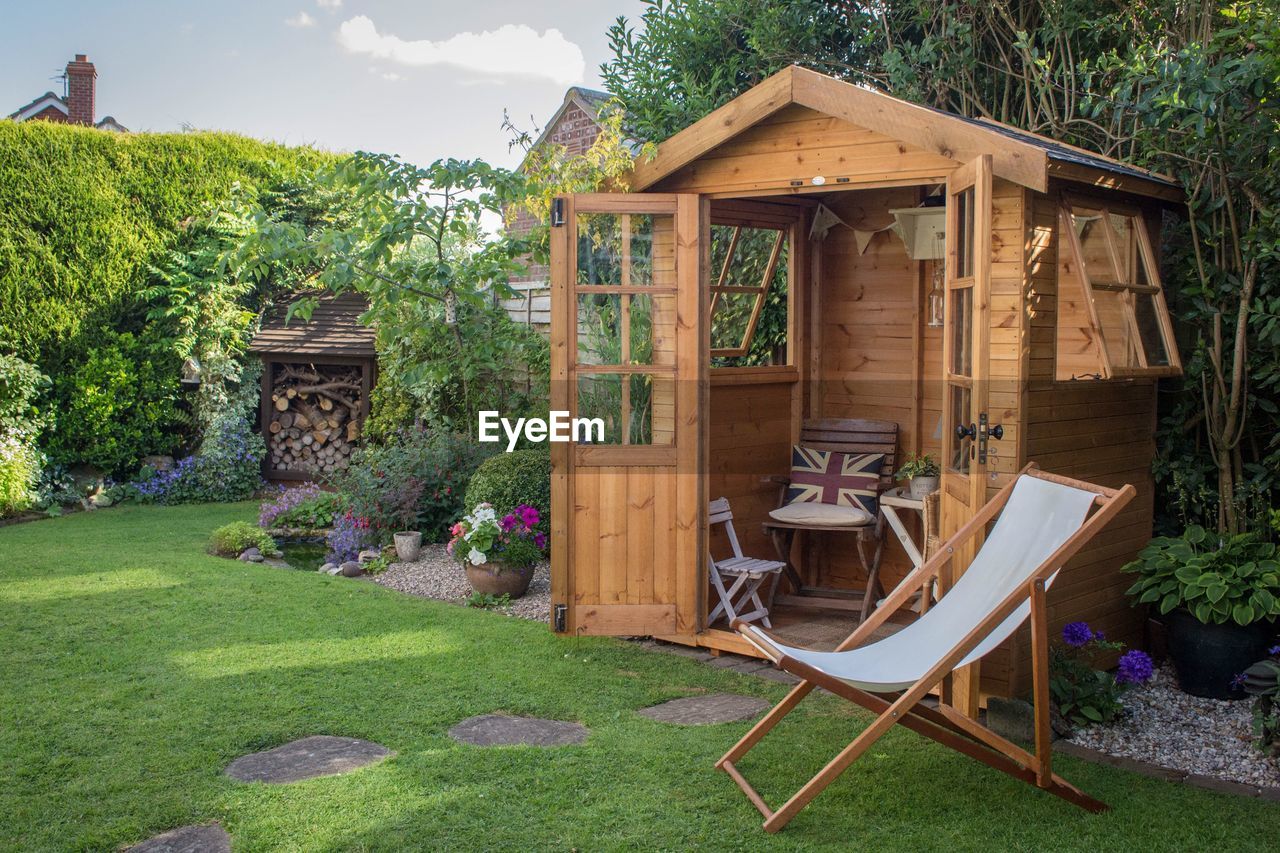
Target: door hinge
(561,616)
(557,212)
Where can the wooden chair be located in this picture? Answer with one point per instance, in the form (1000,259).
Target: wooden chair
(1043,521)
(848,436)
(747,573)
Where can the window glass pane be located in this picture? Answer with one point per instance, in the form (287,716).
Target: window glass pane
(962,331)
(1115,315)
(1091,227)
(748,252)
(599,328)
(600,396)
(1126,244)
(626,248)
(961,416)
(1148,319)
(730,319)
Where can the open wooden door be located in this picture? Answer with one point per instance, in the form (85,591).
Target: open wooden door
(629,347)
(966,428)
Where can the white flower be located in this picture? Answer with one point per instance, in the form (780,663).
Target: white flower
(484,513)
(477,557)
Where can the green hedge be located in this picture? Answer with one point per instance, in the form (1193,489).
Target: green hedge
(82,212)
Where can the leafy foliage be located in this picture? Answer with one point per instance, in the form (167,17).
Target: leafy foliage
(307,506)
(1216,578)
(117,405)
(20,421)
(415,481)
(507,480)
(1262,681)
(230,540)
(1084,695)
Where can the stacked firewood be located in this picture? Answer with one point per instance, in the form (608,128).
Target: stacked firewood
(315,418)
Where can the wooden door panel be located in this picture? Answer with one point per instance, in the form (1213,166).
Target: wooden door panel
(630,343)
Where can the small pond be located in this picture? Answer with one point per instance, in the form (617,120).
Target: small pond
(304,554)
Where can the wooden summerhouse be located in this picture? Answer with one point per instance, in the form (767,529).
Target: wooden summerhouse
(316,379)
(945,285)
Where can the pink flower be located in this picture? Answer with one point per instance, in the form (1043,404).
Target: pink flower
(540,540)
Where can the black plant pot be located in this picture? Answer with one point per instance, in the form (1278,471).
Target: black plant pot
(1208,657)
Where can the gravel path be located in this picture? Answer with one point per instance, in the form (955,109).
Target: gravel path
(435,575)
(1173,729)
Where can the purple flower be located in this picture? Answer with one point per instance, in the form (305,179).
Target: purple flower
(1076,634)
(1274,651)
(541,541)
(508,522)
(1135,668)
(1237,681)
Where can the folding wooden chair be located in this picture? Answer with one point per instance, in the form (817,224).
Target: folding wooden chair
(747,573)
(1043,521)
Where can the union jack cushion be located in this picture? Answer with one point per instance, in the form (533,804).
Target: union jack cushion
(832,477)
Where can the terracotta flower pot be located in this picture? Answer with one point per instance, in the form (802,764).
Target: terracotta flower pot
(494,578)
(408,545)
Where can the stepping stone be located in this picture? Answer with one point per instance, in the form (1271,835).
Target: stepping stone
(708,709)
(318,755)
(209,838)
(501,730)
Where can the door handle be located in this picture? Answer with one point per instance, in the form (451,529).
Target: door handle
(963,432)
(996,432)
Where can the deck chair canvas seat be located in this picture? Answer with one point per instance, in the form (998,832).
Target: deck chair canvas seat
(747,575)
(1043,521)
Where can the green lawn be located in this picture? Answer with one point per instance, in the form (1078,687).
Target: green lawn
(134,668)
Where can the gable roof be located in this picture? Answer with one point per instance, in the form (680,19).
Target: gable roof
(588,100)
(39,105)
(1017,155)
(334,329)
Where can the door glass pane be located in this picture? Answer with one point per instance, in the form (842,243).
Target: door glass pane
(962,331)
(961,416)
(651,329)
(1147,311)
(599,328)
(626,249)
(636,408)
(964,240)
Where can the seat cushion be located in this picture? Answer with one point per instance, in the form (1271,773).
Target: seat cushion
(821,515)
(835,478)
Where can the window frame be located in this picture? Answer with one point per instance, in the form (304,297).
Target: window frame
(1069,240)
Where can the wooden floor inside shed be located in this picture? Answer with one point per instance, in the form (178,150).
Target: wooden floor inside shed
(798,626)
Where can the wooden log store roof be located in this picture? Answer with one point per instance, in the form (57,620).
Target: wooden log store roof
(1024,158)
(334,329)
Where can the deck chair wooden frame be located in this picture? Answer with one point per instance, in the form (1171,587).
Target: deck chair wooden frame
(747,574)
(943,724)
(847,435)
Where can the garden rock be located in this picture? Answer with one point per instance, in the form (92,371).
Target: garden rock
(329,568)
(350,569)
(706,710)
(334,570)
(366,556)
(207,838)
(318,755)
(502,730)
(251,555)
(159,463)
(1011,718)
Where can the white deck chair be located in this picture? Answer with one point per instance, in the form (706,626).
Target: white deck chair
(1043,521)
(747,574)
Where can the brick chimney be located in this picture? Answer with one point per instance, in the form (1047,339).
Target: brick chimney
(81,77)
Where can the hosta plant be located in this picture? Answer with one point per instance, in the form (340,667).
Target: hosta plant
(1217,578)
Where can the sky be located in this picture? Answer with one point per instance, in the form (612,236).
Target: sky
(423,79)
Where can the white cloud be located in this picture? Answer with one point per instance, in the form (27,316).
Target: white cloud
(328,4)
(510,50)
(302,19)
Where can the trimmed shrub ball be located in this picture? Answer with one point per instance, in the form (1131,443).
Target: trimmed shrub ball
(510,479)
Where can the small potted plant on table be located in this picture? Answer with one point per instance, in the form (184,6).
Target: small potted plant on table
(1218,597)
(499,554)
(923,473)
